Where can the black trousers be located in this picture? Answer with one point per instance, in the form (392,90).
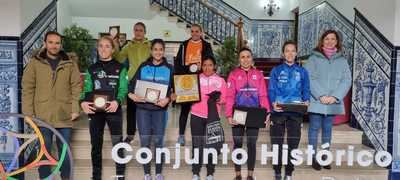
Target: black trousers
(130,117)
(252,136)
(183,117)
(96,125)
(292,124)
(198,128)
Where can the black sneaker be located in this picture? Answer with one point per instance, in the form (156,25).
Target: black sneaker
(315,165)
(129,139)
(328,167)
(238,177)
(277,176)
(250,178)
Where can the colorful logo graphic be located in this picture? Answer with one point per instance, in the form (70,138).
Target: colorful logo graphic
(21,141)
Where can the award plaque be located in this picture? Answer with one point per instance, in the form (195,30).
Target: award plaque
(240,117)
(294,107)
(250,116)
(187,88)
(151,91)
(100,102)
(152,95)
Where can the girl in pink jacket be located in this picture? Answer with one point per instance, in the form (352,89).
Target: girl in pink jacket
(209,82)
(246,87)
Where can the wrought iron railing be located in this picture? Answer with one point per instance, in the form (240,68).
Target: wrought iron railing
(215,24)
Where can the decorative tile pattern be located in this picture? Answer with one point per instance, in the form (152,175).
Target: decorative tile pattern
(371,82)
(266,36)
(396,125)
(32,37)
(316,21)
(8,96)
(269,37)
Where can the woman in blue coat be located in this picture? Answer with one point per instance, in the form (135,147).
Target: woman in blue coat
(330,80)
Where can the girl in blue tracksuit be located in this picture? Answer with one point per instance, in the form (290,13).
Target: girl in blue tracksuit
(289,83)
(151,117)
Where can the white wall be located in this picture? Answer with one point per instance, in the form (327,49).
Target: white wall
(10,18)
(254,9)
(64,18)
(397,24)
(155,26)
(380,13)
(30,9)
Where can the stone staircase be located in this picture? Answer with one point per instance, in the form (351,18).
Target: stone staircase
(343,135)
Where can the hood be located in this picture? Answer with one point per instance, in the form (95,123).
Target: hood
(41,55)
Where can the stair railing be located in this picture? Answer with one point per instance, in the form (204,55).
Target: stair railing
(214,24)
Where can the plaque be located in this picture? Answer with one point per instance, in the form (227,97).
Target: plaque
(240,117)
(100,102)
(294,107)
(152,95)
(151,91)
(187,88)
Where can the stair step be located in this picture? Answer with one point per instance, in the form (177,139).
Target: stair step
(82,170)
(342,134)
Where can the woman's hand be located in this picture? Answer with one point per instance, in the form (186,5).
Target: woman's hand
(162,102)
(173,97)
(276,107)
(232,122)
(324,99)
(136,98)
(87,107)
(268,120)
(112,107)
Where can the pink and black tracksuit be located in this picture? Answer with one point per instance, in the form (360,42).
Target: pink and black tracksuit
(246,88)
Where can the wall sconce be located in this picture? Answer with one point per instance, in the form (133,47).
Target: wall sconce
(270,7)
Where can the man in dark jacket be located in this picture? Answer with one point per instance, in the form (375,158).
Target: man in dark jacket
(188,60)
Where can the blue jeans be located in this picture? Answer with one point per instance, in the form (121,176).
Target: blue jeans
(151,125)
(320,121)
(45,171)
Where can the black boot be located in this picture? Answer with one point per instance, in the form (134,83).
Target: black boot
(315,165)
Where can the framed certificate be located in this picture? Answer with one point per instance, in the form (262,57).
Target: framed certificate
(187,88)
(151,91)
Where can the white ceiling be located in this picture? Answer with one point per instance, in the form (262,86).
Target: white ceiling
(111,8)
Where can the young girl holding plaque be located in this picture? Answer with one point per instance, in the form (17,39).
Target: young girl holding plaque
(246,87)
(151,114)
(210,83)
(105,88)
(288,84)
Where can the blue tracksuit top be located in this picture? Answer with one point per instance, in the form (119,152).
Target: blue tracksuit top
(288,84)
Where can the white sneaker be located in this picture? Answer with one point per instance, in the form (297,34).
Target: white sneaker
(210,177)
(147,177)
(195,177)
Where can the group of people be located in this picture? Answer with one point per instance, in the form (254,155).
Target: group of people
(51,91)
